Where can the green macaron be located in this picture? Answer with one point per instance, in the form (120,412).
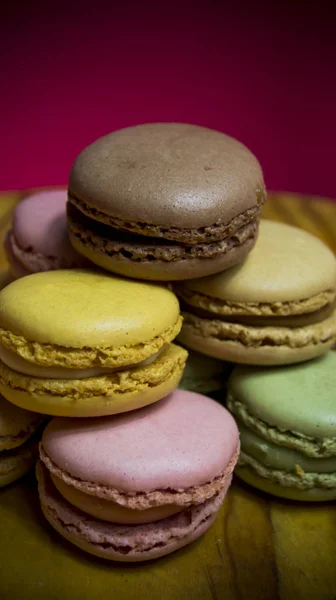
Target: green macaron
(204,374)
(287,422)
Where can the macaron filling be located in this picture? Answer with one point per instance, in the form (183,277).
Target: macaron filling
(168,365)
(85,232)
(320,332)
(217,307)
(20,365)
(283,465)
(125,542)
(191,236)
(34,261)
(203,312)
(112,357)
(314,447)
(107,510)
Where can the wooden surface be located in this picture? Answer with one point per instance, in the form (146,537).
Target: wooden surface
(259,548)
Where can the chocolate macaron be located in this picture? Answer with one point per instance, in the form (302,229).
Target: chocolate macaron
(165,201)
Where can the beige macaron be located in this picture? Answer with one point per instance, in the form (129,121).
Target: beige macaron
(277,307)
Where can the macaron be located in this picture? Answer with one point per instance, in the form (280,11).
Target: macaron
(204,374)
(18,449)
(287,422)
(165,201)
(80,343)
(38,240)
(141,485)
(277,307)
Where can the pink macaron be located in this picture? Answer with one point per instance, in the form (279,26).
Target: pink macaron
(140,485)
(38,240)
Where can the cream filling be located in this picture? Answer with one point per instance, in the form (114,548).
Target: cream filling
(279,457)
(16,363)
(107,510)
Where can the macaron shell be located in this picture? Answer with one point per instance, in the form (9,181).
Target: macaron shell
(17,463)
(125,543)
(79,308)
(17,269)
(286,264)
(297,398)
(16,424)
(261,483)
(160,270)
(186,440)
(39,225)
(168,174)
(137,388)
(252,351)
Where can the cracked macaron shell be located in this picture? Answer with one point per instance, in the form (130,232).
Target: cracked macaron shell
(80,318)
(297,399)
(174,451)
(157,174)
(286,266)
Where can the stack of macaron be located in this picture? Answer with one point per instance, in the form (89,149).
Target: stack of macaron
(129,487)
(131,468)
(276,313)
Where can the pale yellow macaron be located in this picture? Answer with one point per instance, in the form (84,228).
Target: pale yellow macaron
(277,307)
(18,449)
(83,343)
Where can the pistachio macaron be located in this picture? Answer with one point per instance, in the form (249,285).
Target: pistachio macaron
(277,307)
(287,422)
(80,343)
(204,374)
(165,201)
(18,448)
(140,485)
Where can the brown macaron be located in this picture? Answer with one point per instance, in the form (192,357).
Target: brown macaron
(165,201)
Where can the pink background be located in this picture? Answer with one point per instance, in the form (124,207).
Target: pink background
(265,76)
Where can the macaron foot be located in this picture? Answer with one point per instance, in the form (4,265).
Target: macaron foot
(125,543)
(96,396)
(314,494)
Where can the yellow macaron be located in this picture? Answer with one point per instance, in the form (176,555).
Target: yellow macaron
(83,343)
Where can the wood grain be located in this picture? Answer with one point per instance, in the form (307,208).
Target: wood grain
(260,548)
